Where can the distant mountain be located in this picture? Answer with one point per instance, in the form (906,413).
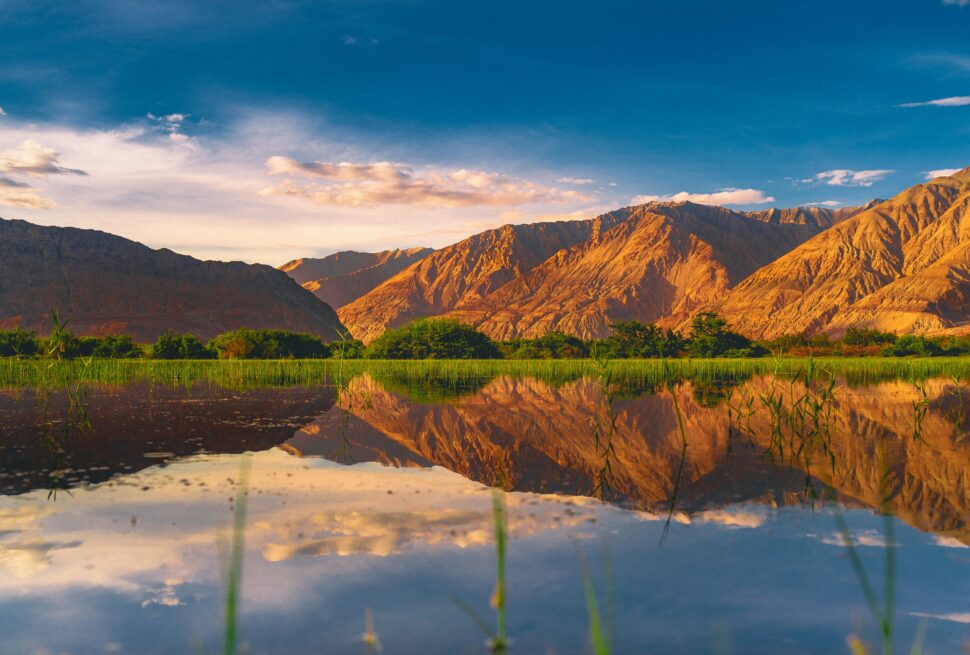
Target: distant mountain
(901,265)
(660,264)
(108,284)
(345,276)
(466,272)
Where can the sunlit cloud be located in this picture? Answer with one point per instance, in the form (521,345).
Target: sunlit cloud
(21,194)
(200,195)
(948,542)
(723,197)
(953,101)
(942,172)
(34,159)
(387,183)
(848,177)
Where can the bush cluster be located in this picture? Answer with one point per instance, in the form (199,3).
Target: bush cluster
(438,338)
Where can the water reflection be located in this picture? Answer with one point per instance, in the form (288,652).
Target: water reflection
(376,497)
(540,438)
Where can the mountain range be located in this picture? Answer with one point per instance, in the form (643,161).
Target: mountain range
(901,264)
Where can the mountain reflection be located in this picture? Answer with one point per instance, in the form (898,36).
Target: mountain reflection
(528,435)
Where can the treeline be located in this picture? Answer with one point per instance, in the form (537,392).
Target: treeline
(709,336)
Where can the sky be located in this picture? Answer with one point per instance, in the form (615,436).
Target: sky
(270,131)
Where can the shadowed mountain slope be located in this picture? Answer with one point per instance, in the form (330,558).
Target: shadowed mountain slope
(345,276)
(108,284)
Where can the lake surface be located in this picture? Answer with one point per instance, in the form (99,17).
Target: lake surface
(708,516)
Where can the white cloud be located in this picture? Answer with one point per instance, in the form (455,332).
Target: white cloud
(723,197)
(847,177)
(348,39)
(948,542)
(33,159)
(953,101)
(575,180)
(942,172)
(2,112)
(822,203)
(170,124)
(386,183)
(959,3)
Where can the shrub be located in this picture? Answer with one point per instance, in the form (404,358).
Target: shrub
(433,338)
(347,349)
(268,344)
(555,345)
(180,346)
(117,346)
(867,337)
(913,345)
(636,339)
(18,342)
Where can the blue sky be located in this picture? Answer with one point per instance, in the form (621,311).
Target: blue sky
(218,128)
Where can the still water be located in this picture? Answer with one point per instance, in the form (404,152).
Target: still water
(707,516)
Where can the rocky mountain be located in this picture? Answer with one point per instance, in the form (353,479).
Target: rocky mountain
(660,264)
(902,265)
(345,276)
(108,284)
(465,272)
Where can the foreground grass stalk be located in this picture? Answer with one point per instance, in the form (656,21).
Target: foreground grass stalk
(234,571)
(500,642)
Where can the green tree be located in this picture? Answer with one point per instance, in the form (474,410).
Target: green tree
(867,337)
(711,336)
(636,339)
(118,346)
(433,338)
(347,349)
(554,345)
(180,346)
(18,343)
(912,345)
(268,344)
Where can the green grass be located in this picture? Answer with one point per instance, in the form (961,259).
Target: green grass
(627,374)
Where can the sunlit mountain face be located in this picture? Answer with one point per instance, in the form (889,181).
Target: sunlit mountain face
(373,496)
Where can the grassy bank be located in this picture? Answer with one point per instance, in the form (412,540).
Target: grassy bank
(635,372)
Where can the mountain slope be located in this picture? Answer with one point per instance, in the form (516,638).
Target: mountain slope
(108,284)
(343,277)
(660,264)
(902,265)
(465,272)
